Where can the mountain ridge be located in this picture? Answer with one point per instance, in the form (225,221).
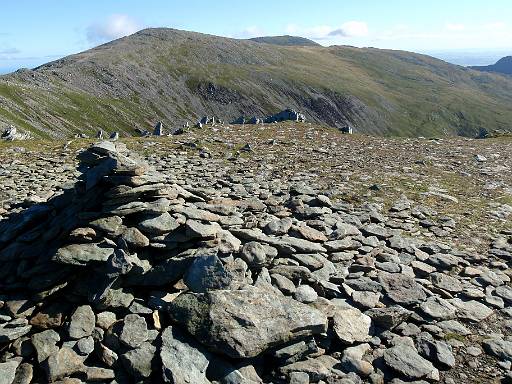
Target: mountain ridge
(177,76)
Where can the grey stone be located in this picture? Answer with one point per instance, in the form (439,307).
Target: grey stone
(139,361)
(388,317)
(8,371)
(246,322)
(62,364)
(305,294)
(135,238)
(350,325)
(401,289)
(405,360)
(278,227)
(85,346)
(105,319)
(207,273)
(439,352)
(301,245)
(446,282)
(134,331)
(183,360)
(82,254)
(352,360)
(82,322)
(195,229)
(159,225)
(45,344)
(502,349)
(13,330)
(471,310)
(254,254)
(438,308)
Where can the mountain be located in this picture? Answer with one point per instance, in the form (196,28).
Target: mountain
(286,40)
(177,76)
(503,65)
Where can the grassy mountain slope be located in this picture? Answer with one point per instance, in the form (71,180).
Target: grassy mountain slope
(503,66)
(286,40)
(174,76)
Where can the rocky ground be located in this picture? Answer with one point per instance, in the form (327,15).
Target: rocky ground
(284,253)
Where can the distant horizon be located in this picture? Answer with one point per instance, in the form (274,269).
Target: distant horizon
(34,32)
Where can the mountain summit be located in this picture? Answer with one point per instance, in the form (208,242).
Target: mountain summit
(176,76)
(503,65)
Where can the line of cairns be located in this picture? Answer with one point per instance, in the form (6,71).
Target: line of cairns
(135,277)
(10,133)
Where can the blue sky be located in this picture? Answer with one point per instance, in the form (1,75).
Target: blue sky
(33,32)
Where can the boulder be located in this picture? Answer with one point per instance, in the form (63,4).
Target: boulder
(246,322)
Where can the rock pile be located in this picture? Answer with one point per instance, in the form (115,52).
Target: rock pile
(287,114)
(137,276)
(11,133)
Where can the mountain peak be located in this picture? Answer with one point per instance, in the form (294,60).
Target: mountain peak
(503,66)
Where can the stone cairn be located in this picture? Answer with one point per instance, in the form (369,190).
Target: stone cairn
(129,278)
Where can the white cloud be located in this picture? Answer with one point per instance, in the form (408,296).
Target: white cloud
(9,51)
(113,27)
(252,31)
(350,29)
(455,27)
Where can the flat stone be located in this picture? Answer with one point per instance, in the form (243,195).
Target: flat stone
(12,331)
(311,234)
(82,254)
(196,229)
(183,360)
(246,322)
(278,227)
(453,326)
(446,282)
(471,310)
(110,225)
(301,245)
(135,238)
(159,225)
(388,317)
(502,349)
(438,308)
(405,360)
(402,289)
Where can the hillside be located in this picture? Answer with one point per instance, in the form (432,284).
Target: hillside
(286,40)
(178,76)
(503,66)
